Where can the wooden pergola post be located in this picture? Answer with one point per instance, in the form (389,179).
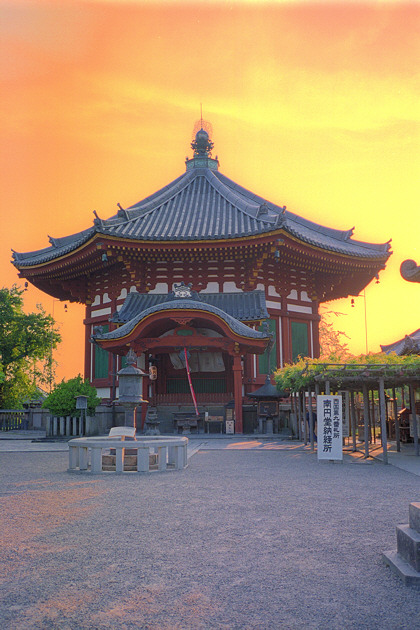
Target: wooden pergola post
(353,420)
(382,409)
(366,417)
(397,424)
(299,414)
(305,425)
(413,413)
(311,419)
(373,417)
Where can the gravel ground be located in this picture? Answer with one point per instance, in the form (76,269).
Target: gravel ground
(238,540)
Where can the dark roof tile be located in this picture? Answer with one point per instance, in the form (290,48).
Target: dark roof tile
(203,204)
(245,307)
(182,304)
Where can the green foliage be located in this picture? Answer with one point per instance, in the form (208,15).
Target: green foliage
(62,400)
(26,343)
(302,374)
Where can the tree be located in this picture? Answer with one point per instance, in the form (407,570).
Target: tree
(62,400)
(331,341)
(26,344)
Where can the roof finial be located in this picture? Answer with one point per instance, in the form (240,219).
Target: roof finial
(202,145)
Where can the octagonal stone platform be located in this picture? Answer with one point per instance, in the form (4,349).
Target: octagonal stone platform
(143,455)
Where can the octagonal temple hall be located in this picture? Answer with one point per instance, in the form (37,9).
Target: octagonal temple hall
(202,272)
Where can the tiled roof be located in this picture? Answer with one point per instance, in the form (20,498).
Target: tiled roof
(203,204)
(184,304)
(247,306)
(268,391)
(410,344)
(60,247)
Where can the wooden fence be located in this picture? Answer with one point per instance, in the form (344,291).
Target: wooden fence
(14,419)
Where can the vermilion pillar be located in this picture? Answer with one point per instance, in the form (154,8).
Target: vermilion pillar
(88,345)
(237,392)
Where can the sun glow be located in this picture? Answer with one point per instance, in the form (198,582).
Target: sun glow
(313,106)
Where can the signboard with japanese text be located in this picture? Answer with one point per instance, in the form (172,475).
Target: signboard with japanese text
(330,425)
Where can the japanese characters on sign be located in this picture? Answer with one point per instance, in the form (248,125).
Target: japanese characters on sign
(330,427)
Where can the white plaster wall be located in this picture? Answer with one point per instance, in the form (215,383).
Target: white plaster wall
(101,311)
(299,309)
(212,287)
(161,288)
(230,287)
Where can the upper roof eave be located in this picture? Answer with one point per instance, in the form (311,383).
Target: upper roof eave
(204,205)
(59,247)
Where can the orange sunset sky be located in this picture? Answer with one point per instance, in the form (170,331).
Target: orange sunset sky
(313,106)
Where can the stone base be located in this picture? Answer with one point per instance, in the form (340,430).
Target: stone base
(130,462)
(152,428)
(414,516)
(408,545)
(405,561)
(405,571)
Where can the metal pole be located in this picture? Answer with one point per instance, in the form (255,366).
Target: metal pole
(413,413)
(382,408)
(366,418)
(327,388)
(397,424)
(366,333)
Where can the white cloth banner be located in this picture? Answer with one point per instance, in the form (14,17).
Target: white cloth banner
(199,361)
(330,427)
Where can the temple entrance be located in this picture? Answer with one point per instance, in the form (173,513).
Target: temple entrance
(185,331)
(210,387)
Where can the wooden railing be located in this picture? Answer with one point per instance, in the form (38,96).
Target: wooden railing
(183,399)
(14,419)
(208,385)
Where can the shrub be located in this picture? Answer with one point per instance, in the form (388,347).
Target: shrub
(62,400)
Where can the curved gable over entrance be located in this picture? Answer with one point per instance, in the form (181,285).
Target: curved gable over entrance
(166,329)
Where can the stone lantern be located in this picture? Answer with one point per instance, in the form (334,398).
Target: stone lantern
(82,405)
(130,388)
